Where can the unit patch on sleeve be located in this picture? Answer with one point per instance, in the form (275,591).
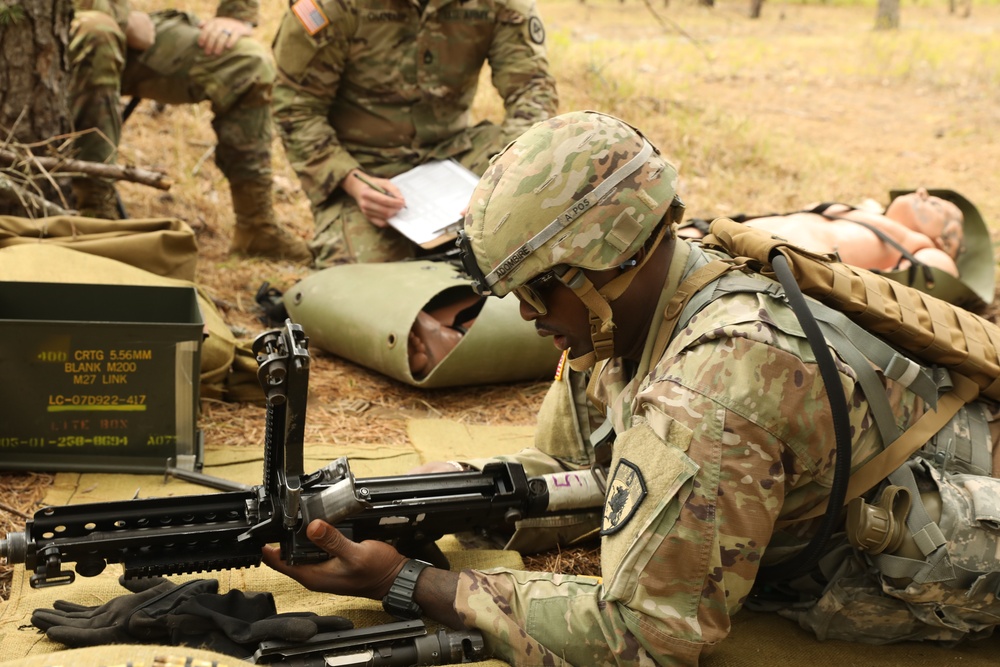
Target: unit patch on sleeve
(310,16)
(626,491)
(536,30)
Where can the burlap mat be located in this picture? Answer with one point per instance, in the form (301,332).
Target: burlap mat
(756,639)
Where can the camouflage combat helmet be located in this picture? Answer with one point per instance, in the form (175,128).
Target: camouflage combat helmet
(583,190)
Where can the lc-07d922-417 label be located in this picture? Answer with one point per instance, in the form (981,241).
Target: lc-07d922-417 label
(135,402)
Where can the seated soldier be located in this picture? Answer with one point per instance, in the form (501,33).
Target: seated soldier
(173,57)
(915,228)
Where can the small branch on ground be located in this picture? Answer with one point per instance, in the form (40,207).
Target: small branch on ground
(116,172)
(32,203)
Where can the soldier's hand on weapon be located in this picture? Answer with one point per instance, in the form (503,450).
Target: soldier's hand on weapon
(364,569)
(140,33)
(378,198)
(367,569)
(221,33)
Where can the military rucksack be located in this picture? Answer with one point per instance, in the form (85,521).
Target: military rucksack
(946,355)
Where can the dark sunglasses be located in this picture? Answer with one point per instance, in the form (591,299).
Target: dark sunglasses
(531,292)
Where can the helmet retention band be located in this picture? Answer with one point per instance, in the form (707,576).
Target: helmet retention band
(564,219)
(598,303)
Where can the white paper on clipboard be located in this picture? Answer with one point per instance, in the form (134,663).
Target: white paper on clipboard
(436,193)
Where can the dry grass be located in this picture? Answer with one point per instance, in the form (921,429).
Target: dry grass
(807,103)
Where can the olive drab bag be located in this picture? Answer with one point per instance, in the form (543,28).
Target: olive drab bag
(418,322)
(929,328)
(920,560)
(850,305)
(163,246)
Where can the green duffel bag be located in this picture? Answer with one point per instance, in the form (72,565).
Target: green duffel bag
(420,323)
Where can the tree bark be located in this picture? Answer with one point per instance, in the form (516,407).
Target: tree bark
(34,71)
(887,15)
(966,6)
(755,8)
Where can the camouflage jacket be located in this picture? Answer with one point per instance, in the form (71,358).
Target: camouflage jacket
(721,436)
(379,85)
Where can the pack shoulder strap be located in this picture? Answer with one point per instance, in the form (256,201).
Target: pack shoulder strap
(693,284)
(896,454)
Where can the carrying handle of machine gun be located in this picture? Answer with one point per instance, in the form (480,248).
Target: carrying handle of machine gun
(283,373)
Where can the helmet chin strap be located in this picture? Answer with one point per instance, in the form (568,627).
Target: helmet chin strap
(598,303)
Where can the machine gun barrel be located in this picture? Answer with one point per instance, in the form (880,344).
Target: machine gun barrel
(397,644)
(187,534)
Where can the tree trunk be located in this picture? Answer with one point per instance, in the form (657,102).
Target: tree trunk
(755,8)
(34,71)
(965,4)
(887,16)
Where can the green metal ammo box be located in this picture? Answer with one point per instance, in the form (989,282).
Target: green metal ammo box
(99,377)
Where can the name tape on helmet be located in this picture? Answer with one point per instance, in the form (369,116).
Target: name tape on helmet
(564,219)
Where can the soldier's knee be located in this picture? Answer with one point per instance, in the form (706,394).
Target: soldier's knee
(254,62)
(98,46)
(95,25)
(242,79)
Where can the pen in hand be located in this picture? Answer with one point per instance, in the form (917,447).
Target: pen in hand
(376,188)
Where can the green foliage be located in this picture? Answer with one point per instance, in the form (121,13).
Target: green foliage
(11,14)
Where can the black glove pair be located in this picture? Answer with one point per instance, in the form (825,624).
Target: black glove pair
(190,614)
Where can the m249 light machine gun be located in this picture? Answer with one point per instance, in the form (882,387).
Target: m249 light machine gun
(186,534)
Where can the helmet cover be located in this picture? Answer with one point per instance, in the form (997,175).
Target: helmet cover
(581,189)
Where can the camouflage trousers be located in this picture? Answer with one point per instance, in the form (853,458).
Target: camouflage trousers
(174,70)
(343,233)
(946,589)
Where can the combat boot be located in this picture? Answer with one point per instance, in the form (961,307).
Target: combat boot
(96,198)
(257,233)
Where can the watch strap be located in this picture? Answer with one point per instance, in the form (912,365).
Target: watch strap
(399,600)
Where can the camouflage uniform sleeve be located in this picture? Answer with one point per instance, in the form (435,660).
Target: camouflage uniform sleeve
(242,10)
(309,72)
(520,68)
(696,484)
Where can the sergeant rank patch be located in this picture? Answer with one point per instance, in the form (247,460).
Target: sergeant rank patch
(626,491)
(310,16)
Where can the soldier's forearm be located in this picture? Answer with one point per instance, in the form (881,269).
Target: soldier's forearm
(435,593)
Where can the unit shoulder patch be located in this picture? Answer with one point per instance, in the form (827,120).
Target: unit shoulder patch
(536,30)
(626,491)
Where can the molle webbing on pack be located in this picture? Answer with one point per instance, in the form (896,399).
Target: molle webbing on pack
(943,391)
(933,330)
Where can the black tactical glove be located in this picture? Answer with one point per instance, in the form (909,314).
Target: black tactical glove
(76,625)
(190,614)
(235,623)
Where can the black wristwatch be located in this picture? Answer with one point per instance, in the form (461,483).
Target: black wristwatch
(399,600)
